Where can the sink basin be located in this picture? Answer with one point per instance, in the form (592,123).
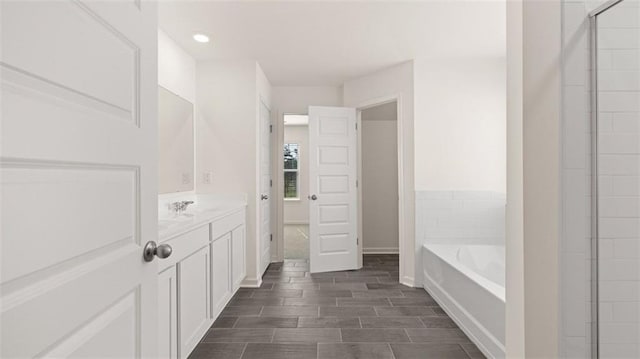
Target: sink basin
(167,221)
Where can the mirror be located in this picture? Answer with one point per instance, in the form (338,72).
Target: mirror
(175,132)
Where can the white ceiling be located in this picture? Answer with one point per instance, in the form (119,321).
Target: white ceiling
(302,43)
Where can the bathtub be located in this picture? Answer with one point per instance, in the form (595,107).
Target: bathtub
(468,283)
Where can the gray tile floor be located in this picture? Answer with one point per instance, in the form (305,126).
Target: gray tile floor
(364,314)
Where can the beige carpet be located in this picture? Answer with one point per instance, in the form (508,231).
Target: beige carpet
(296,241)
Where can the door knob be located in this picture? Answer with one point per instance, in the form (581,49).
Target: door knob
(264,197)
(151,250)
(313,197)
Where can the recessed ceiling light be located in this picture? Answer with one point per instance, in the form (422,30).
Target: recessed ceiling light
(201,38)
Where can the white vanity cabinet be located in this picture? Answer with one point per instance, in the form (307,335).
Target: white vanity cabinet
(193,299)
(228,259)
(238,251)
(167,314)
(199,278)
(221,290)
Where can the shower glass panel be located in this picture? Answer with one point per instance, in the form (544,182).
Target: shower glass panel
(616,105)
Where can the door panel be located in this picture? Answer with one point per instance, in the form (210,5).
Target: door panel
(332,173)
(79,197)
(116,325)
(265,186)
(111,89)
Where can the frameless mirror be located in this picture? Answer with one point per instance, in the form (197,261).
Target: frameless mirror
(175,132)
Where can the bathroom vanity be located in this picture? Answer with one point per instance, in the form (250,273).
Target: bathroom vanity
(203,272)
(201,238)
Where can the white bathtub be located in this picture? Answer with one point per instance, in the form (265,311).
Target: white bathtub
(468,282)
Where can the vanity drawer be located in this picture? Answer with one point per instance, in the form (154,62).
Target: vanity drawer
(227,224)
(184,245)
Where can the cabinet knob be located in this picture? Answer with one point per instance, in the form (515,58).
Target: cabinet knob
(151,249)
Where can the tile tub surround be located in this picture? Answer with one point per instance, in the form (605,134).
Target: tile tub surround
(466,217)
(327,315)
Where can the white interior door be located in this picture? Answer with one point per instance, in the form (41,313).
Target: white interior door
(78,182)
(333,198)
(265,186)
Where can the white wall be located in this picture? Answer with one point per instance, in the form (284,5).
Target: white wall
(176,68)
(460,118)
(514,237)
(228,94)
(379,179)
(296,211)
(292,100)
(542,109)
(297,99)
(460,151)
(395,81)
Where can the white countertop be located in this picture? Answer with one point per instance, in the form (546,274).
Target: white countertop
(206,209)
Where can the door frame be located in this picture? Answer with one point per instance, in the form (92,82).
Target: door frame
(403,243)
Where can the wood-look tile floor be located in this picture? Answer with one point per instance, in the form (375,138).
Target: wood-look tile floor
(363,314)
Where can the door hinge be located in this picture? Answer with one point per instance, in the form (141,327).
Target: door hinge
(356,126)
(270,128)
(356,183)
(271,238)
(270,183)
(357,240)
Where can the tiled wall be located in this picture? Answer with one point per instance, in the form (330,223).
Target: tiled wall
(469,217)
(619,179)
(458,217)
(619,166)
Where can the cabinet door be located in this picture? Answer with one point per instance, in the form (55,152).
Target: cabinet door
(167,314)
(238,256)
(220,273)
(193,299)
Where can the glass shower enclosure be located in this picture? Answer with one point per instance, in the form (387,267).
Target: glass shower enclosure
(615,111)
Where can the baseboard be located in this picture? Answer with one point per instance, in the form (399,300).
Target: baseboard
(383,250)
(408,281)
(251,283)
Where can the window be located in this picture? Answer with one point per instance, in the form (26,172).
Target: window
(291,174)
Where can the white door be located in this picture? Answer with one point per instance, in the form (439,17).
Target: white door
(265,186)
(333,197)
(78,182)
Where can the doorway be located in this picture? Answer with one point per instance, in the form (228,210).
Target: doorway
(296,186)
(378,174)
(380,140)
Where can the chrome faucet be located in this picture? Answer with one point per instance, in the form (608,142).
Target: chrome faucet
(178,207)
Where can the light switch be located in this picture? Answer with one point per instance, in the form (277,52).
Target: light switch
(186,178)
(207,177)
